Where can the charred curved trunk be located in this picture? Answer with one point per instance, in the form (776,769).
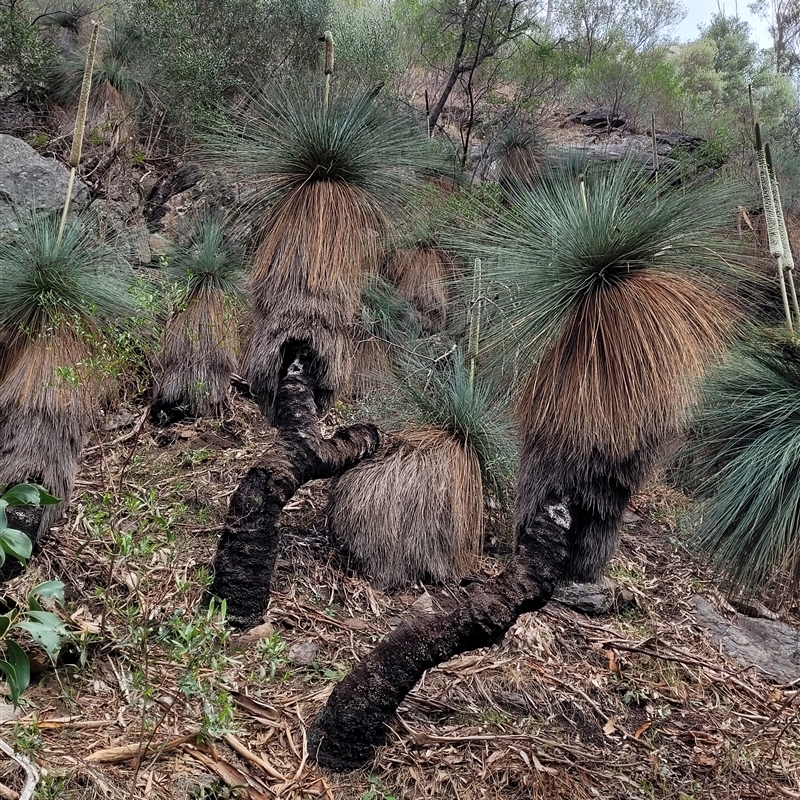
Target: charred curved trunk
(248,547)
(355,720)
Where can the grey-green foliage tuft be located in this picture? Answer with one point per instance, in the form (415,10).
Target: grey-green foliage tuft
(746,456)
(283,139)
(43,280)
(474,411)
(552,252)
(208,262)
(119,63)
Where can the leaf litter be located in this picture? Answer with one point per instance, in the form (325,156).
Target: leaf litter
(158,700)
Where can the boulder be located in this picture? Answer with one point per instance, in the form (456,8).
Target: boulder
(588,598)
(771,647)
(28,180)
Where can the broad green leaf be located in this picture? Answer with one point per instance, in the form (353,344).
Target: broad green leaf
(14,690)
(5,622)
(49,590)
(2,555)
(43,635)
(3,517)
(23,494)
(45,498)
(49,619)
(18,659)
(16,543)
(29,494)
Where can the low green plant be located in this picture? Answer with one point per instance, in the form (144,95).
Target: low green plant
(271,650)
(44,627)
(377,791)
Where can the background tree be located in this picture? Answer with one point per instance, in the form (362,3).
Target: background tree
(783,17)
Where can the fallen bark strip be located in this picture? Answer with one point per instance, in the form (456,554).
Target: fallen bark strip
(31,773)
(125,752)
(248,547)
(356,717)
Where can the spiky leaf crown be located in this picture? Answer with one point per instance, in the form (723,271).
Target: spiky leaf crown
(472,409)
(44,280)
(208,262)
(746,456)
(554,252)
(285,139)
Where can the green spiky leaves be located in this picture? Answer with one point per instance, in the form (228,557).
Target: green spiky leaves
(208,262)
(747,458)
(44,281)
(442,394)
(555,249)
(284,140)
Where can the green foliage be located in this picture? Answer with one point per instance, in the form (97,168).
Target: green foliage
(24,52)
(284,140)
(746,457)
(367,36)
(594,27)
(448,394)
(198,641)
(271,651)
(206,51)
(386,314)
(45,280)
(44,627)
(208,262)
(553,252)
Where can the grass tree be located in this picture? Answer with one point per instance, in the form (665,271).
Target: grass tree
(59,294)
(328,173)
(327,178)
(387,321)
(422,273)
(746,457)
(201,335)
(522,156)
(415,511)
(613,312)
(119,85)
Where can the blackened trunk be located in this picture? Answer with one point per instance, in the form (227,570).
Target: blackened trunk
(355,720)
(248,547)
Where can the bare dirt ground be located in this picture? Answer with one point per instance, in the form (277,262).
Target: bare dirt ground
(156,699)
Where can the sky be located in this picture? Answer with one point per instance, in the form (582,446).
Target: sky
(701,11)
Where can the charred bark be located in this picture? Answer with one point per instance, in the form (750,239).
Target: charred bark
(355,720)
(248,547)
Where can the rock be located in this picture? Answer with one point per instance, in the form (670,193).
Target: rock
(123,224)
(178,201)
(186,176)
(158,245)
(679,139)
(628,517)
(254,635)
(303,653)
(124,418)
(772,647)
(588,598)
(28,180)
(423,604)
(604,117)
(9,713)
(356,624)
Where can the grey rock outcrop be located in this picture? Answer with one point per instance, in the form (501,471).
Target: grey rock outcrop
(772,647)
(27,180)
